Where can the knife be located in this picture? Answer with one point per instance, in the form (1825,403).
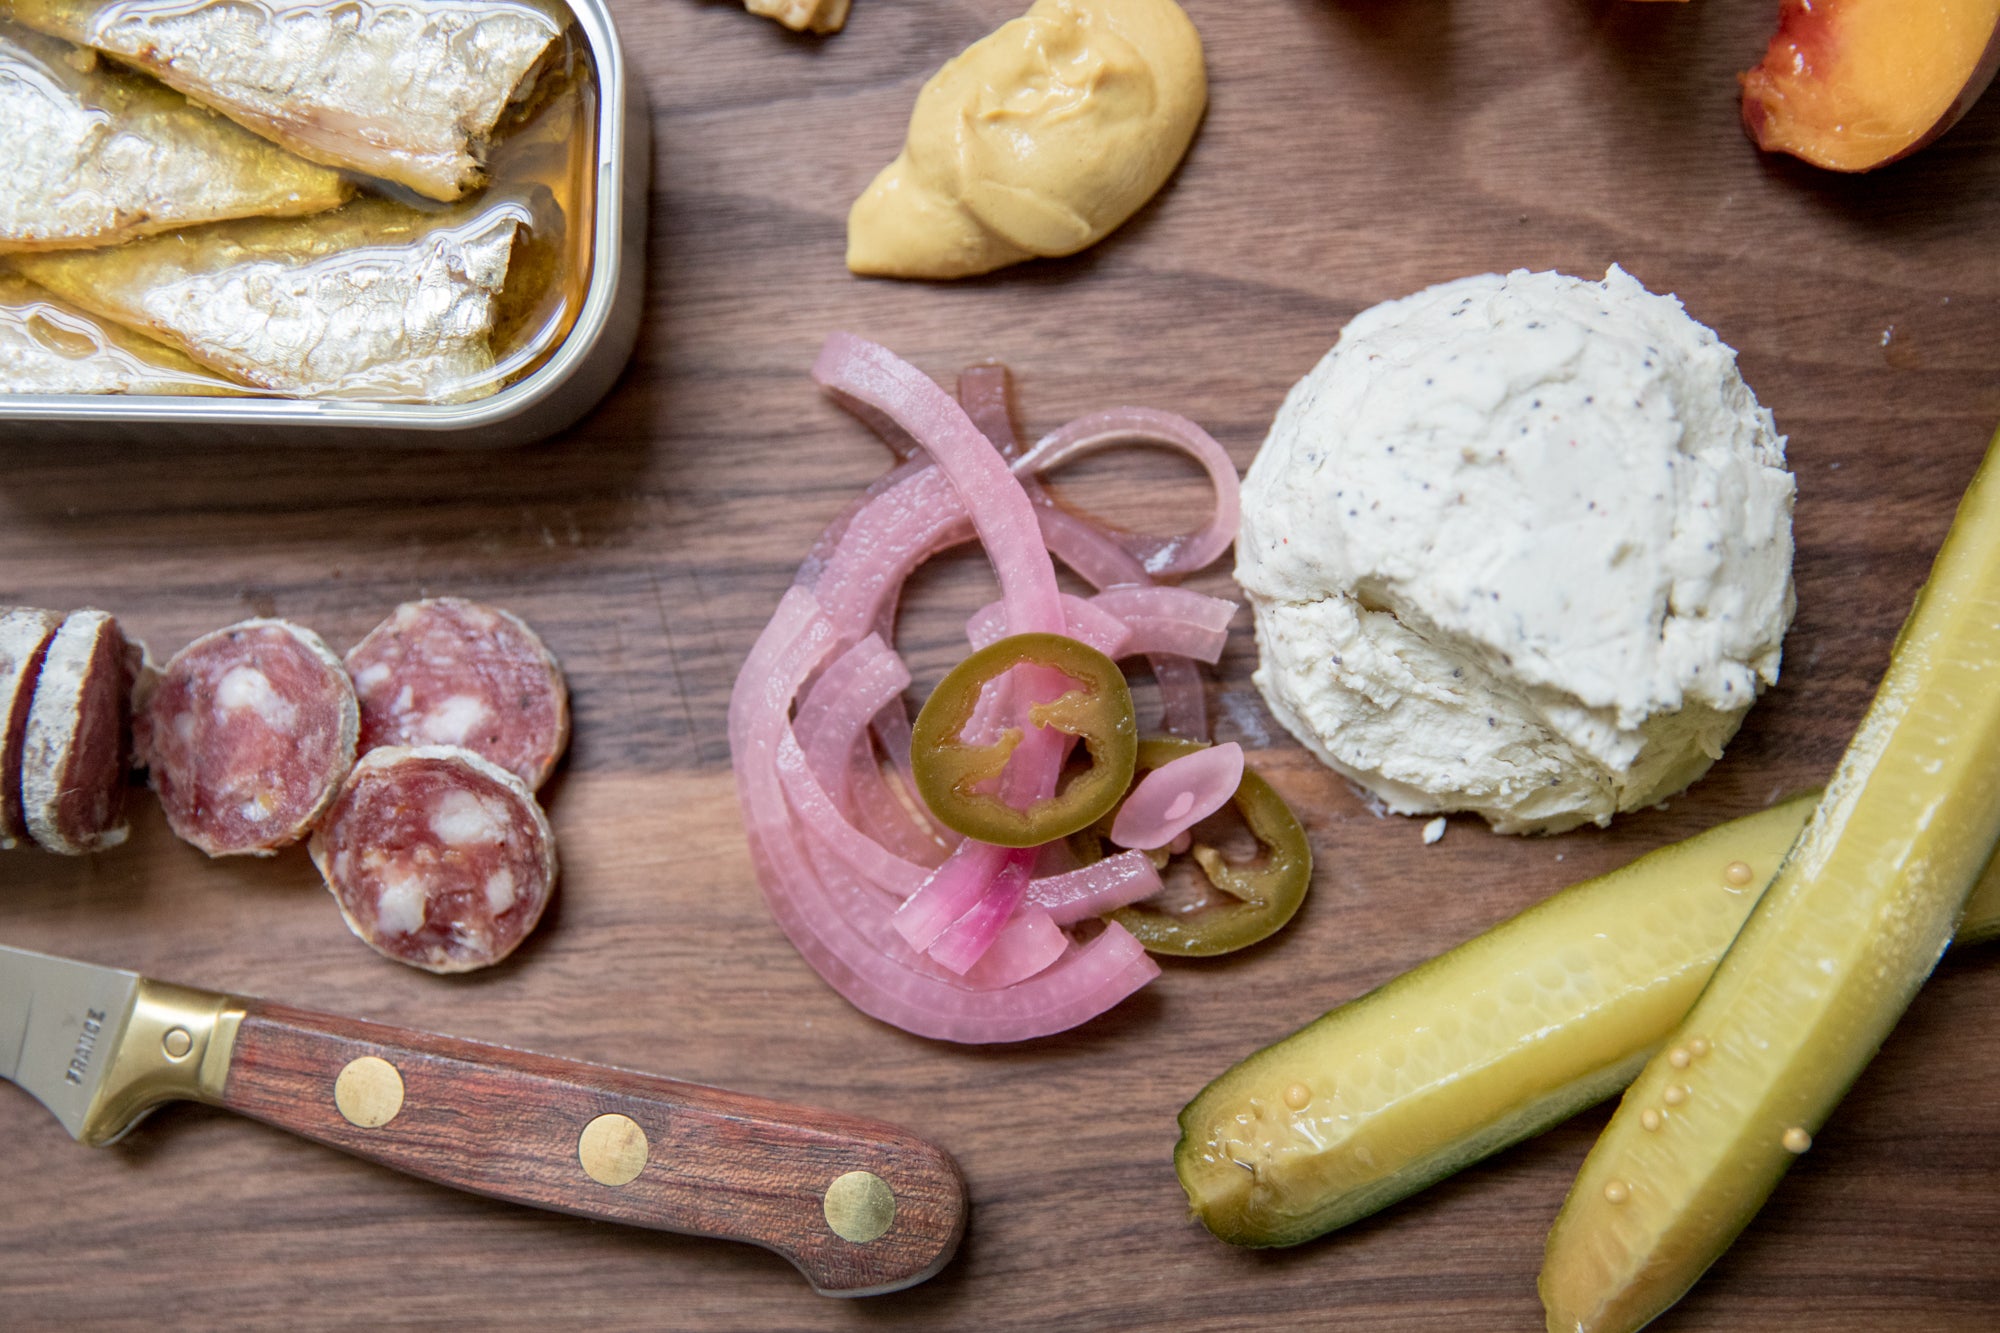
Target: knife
(858,1206)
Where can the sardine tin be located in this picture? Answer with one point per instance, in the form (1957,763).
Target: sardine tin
(576,374)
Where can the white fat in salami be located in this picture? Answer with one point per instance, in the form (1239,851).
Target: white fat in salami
(248,732)
(447,671)
(437,857)
(24,637)
(76,752)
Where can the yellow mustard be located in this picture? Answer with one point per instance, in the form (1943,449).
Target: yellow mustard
(1038,139)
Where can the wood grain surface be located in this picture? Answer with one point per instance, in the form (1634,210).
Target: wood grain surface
(1355,150)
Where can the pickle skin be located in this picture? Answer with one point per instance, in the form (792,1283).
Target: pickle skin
(1843,938)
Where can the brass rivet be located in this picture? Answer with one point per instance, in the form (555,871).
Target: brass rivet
(369,1092)
(177,1043)
(613,1150)
(860,1206)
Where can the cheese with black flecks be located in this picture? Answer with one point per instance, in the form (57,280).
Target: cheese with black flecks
(1520,545)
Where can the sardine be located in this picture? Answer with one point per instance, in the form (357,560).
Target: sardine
(91,155)
(406,90)
(373,301)
(48,346)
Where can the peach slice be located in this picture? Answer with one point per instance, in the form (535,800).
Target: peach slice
(1855,84)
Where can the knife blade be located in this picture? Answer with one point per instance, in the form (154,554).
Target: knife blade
(859,1207)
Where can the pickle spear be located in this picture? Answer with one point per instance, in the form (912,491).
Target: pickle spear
(1491,1043)
(1839,944)
(1486,1052)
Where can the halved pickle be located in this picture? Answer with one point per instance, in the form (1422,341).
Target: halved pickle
(1854,922)
(1491,1054)
(1479,1048)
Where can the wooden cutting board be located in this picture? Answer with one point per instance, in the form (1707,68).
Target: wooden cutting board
(1355,150)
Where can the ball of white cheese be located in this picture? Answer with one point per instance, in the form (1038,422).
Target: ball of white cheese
(1519,545)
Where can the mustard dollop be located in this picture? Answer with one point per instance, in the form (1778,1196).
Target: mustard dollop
(1038,139)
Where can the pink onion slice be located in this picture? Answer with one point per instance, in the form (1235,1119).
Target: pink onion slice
(822,818)
(863,372)
(836,834)
(1077,895)
(1183,697)
(840,926)
(841,704)
(881,544)
(1170,620)
(982,392)
(859,371)
(952,890)
(1163,557)
(1176,796)
(967,939)
(860,955)
(1195,609)
(1083,619)
(890,812)
(1031,943)
(1092,553)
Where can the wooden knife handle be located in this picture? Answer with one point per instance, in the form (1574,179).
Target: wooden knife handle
(860,1207)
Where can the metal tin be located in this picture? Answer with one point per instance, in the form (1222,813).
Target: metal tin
(576,375)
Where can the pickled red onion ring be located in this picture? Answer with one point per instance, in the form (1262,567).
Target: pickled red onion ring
(1163,557)
(841,926)
(859,371)
(949,938)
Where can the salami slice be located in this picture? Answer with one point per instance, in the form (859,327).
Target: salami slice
(77,749)
(437,857)
(447,671)
(24,638)
(247,733)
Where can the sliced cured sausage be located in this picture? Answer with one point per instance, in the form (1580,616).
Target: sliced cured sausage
(437,857)
(76,752)
(447,671)
(24,637)
(247,733)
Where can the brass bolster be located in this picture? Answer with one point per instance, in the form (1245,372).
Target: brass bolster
(155,1064)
